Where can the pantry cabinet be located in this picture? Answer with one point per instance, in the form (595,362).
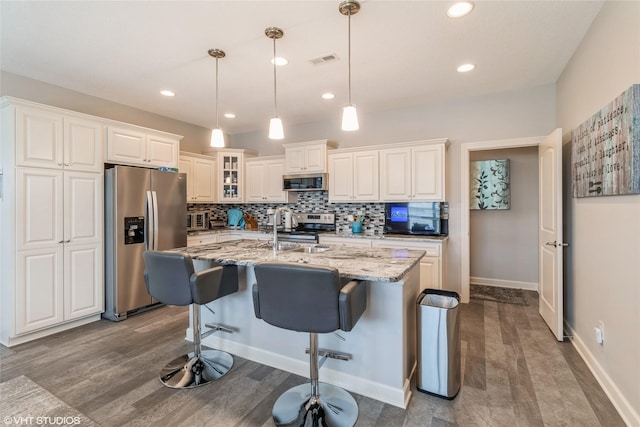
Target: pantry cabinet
(51,220)
(137,146)
(201,177)
(59,255)
(413,172)
(353,176)
(264,181)
(307,157)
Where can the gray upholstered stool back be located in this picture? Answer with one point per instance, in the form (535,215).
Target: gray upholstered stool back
(306,298)
(171,279)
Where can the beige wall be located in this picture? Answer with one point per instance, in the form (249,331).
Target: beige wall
(195,138)
(602,263)
(503,244)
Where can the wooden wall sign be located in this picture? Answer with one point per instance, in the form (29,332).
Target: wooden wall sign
(605,150)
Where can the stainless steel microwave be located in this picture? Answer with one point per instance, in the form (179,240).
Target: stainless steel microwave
(305,182)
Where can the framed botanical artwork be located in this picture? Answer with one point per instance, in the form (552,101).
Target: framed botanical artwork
(490,185)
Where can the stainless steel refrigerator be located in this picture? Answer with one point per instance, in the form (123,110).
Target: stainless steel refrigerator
(145,209)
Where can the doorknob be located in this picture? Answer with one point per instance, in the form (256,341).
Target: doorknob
(556,244)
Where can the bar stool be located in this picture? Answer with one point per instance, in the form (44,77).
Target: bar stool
(171,279)
(313,299)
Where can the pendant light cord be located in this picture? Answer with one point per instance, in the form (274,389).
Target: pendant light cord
(349,55)
(217,125)
(275,93)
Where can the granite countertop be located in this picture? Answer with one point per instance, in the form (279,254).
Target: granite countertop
(329,234)
(380,265)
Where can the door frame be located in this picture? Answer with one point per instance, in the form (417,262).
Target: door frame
(465,149)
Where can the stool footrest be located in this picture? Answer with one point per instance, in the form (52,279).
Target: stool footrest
(323,352)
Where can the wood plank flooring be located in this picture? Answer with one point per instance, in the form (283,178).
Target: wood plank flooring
(514,374)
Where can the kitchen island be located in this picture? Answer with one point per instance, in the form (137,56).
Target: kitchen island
(382,344)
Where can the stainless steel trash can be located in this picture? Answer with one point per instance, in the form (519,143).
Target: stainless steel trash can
(438,343)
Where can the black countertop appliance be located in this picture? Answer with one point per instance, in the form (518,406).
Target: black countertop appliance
(419,218)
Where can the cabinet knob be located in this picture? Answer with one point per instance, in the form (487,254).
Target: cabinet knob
(67,241)
(61,241)
(59,164)
(67,164)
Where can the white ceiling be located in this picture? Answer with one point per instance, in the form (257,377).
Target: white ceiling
(403,53)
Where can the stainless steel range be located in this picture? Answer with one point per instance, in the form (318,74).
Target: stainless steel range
(309,227)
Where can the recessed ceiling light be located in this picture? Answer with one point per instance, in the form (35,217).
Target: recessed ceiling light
(328,95)
(280,61)
(460,9)
(167,93)
(466,68)
(230,115)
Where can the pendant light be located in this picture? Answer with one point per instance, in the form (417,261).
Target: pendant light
(349,113)
(217,137)
(275,125)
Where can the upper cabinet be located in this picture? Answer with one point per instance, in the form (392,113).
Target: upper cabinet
(307,157)
(230,173)
(353,176)
(47,138)
(413,172)
(132,145)
(264,181)
(201,177)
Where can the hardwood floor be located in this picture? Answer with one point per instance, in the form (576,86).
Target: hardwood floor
(514,374)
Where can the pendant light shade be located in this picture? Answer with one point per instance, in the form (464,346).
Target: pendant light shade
(349,113)
(217,136)
(350,118)
(275,128)
(275,125)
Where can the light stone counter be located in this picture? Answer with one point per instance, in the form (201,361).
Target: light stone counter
(372,264)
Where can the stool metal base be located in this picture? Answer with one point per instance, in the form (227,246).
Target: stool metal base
(335,407)
(189,371)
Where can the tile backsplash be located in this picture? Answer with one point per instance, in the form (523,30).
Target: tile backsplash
(308,201)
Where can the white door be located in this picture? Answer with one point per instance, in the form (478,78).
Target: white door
(255,176)
(161,151)
(550,232)
(83,280)
(366,176)
(427,179)
(273,181)
(83,211)
(126,146)
(38,138)
(341,177)
(83,147)
(185,166)
(315,158)
(203,172)
(395,174)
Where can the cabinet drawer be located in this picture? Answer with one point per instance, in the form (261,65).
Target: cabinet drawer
(431,249)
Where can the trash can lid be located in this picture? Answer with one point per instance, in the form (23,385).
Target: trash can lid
(440,301)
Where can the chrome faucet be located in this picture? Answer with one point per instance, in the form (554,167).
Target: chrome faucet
(276,213)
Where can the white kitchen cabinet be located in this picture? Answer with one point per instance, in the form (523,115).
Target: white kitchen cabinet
(353,176)
(201,177)
(263,179)
(208,238)
(345,241)
(307,157)
(47,138)
(59,240)
(432,265)
(133,145)
(413,172)
(230,173)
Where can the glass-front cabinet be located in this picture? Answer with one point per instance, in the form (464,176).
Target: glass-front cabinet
(231,168)
(230,173)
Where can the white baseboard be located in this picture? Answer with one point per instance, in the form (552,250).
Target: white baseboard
(499,283)
(623,406)
(394,396)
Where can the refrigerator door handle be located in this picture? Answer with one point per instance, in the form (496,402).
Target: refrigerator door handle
(149,232)
(155,221)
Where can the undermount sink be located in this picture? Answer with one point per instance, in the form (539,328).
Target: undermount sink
(311,249)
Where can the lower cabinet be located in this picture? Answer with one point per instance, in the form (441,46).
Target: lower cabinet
(56,285)
(432,265)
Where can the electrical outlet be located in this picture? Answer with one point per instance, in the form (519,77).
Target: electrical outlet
(601,326)
(598,333)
